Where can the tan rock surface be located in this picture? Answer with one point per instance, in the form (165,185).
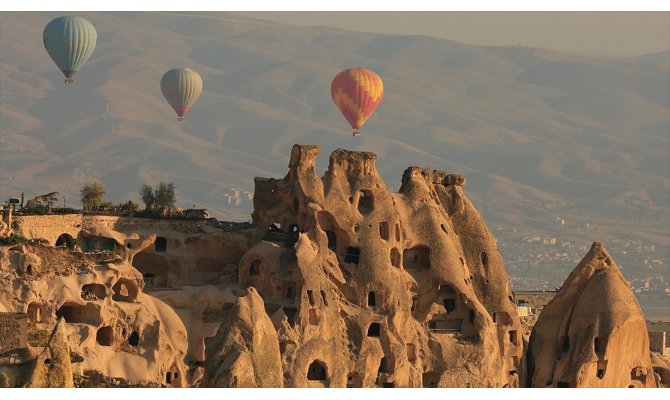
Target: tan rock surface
(337,283)
(593,333)
(245,352)
(119,330)
(371,288)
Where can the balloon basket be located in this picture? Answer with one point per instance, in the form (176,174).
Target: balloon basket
(69,81)
(180,119)
(356,133)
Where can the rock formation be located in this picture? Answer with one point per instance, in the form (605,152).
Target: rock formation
(368,288)
(119,330)
(49,368)
(337,282)
(593,333)
(246,352)
(52,368)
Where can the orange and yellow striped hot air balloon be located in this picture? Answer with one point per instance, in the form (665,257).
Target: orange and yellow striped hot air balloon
(357,92)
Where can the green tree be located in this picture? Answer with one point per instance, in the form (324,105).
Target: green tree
(91,196)
(160,199)
(148,198)
(165,197)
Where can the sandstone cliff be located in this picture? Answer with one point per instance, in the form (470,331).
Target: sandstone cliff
(369,288)
(593,333)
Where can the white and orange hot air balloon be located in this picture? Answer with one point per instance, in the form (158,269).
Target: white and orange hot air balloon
(357,92)
(181,87)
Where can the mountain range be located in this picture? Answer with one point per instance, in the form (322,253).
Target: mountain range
(540,134)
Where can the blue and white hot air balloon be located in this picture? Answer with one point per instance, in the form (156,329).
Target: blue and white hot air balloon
(70,41)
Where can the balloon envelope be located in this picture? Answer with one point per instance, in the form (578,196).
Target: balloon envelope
(70,41)
(357,92)
(181,87)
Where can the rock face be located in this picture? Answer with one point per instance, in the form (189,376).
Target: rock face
(593,333)
(368,288)
(119,330)
(245,353)
(52,368)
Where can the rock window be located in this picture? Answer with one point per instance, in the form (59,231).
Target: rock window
(93,291)
(354,380)
(255,268)
(371,299)
(353,254)
(416,258)
(332,240)
(397,232)
(395,257)
(125,290)
(134,339)
(365,201)
(323,297)
(316,371)
(384,230)
(599,346)
(105,336)
(449,304)
(562,384)
(310,297)
(160,246)
(374,330)
(78,314)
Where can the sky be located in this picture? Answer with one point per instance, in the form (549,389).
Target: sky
(568,25)
(594,33)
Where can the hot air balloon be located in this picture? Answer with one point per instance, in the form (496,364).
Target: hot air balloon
(70,41)
(357,92)
(181,88)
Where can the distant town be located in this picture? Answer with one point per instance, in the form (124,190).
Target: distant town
(543,263)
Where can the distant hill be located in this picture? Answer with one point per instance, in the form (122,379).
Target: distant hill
(539,133)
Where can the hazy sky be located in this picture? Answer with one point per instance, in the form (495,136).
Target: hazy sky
(595,33)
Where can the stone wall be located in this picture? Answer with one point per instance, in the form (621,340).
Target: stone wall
(13,331)
(132,224)
(48,227)
(657,343)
